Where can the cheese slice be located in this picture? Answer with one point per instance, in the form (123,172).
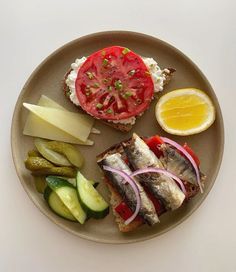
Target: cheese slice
(37,127)
(45,101)
(74,124)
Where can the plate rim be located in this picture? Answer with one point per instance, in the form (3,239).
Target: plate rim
(141,35)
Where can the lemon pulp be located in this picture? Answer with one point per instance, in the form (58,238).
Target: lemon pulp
(178,114)
(185,111)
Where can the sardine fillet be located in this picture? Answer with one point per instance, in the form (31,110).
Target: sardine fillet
(163,187)
(147,209)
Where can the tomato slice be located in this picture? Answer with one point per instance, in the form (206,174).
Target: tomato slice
(154,143)
(192,154)
(114,84)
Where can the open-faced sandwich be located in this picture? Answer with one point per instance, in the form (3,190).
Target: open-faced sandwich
(147,177)
(115,85)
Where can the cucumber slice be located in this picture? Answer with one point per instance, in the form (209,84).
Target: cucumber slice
(73,181)
(57,205)
(68,195)
(91,201)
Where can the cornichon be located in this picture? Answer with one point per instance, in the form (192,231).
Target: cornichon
(69,151)
(49,154)
(37,163)
(64,171)
(40,184)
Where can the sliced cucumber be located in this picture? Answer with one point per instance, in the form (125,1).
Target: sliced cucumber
(91,201)
(68,195)
(57,205)
(73,181)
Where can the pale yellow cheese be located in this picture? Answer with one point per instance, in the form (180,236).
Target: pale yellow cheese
(45,101)
(74,124)
(37,127)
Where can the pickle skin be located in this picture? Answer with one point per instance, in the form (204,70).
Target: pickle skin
(69,151)
(37,163)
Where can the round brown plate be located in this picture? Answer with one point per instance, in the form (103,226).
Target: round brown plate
(47,79)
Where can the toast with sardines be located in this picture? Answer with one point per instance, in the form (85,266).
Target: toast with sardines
(148,177)
(115,85)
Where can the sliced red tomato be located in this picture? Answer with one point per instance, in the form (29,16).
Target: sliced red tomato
(154,143)
(192,154)
(114,84)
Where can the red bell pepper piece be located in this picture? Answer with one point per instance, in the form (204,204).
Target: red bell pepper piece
(123,210)
(154,143)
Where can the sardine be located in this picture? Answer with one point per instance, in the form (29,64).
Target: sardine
(178,164)
(162,186)
(147,210)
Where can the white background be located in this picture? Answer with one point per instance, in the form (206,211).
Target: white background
(205,31)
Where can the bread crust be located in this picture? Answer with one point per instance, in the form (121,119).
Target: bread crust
(115,200)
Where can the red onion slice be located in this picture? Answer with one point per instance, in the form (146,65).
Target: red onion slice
(181,149)
(134,186)
(161,171)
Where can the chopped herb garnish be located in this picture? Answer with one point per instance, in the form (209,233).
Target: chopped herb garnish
(118,84)
(109,111)
(109,88)
(103,53)
(131,72)
(96,85)
(99,106)
(105,62)
(105,80)
(68,93)
(90,75)
(127,95)
(125,51)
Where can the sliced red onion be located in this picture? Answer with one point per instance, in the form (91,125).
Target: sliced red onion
(161,171)
(132,183)
(181,149)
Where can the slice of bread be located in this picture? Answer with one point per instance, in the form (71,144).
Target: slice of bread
(168,72)
(115,200)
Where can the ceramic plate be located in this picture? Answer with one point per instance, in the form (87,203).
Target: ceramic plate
(47,79)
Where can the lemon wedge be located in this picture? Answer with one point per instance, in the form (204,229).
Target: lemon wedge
(185,111)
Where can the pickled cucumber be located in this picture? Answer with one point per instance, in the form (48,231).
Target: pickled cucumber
(37,163)
(64,171)
(71,153)
(49,154)
(34,153)
(40,184)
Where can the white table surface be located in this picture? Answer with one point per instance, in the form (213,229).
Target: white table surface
(205,31)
